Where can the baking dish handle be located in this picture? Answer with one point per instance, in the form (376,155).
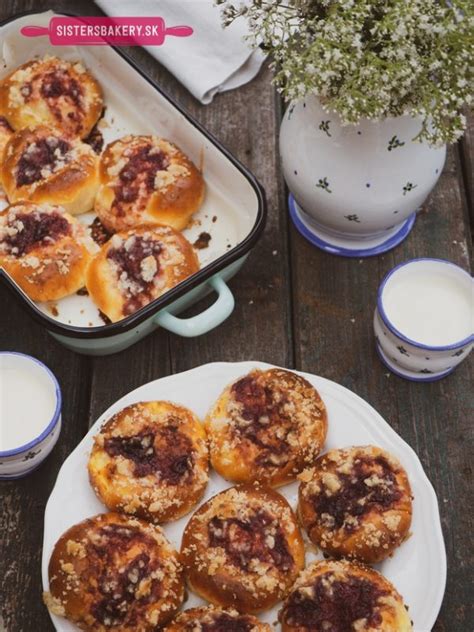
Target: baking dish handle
(205,321)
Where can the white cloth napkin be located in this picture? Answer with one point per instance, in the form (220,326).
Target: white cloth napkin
(209,61)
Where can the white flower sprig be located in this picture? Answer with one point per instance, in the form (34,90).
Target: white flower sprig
(371,59)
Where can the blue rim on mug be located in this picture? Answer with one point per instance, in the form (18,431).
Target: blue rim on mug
(56,414)
(395,331)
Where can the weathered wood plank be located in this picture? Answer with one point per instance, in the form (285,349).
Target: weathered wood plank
(334,300)
(247,122)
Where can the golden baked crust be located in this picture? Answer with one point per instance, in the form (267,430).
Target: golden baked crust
(212,619)
(243,549)
(151,460)
(267,427)
(137,266)
(343,596)
(113,572)
(356,503)
(42,165)
(146,179)
(52,92)
(43,249)
(6,132)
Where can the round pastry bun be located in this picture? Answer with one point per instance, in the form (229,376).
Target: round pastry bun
(266,427)
(212,619)
(6,132)
(243,549)
(146,179)
(114,572)
(151,460)
(356,503)
(43,249)
(137,266)
(52,92)
(44,166)
(332,595)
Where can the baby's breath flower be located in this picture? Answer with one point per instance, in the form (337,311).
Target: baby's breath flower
(371,58)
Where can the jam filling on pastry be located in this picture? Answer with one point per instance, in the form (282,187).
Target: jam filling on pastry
(59,87)
(256,538)
(262,420)
(99,233)
(138,263)
(41,159)
(59,83)
(334,605)
(95,140)
(26,231)
(371,484)
(164,451)
(222,622)
(137,178)
(120,587)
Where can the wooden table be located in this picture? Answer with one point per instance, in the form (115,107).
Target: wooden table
(296,307)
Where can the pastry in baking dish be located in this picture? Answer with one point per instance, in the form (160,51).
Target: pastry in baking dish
(356,503)
(267,426)
(6,133)
(243,549)
(44,166)
(332,596)
(137,266)
(114,572)
(52,92)
(43,249)
(147,179)
(151,460)
(212,619)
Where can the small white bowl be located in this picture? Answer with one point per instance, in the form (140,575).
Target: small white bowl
(19,460)
(417,301)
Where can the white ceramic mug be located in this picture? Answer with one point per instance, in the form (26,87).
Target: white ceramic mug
(424,319)
(26,448)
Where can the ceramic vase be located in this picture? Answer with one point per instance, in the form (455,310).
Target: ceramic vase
(355,189)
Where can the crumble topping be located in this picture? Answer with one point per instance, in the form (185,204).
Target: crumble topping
(41,159)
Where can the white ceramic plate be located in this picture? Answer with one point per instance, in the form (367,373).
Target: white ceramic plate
(418,567)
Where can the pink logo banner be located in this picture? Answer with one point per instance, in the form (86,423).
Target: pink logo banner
(99,31)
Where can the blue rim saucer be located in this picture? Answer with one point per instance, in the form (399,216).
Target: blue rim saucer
(354,248)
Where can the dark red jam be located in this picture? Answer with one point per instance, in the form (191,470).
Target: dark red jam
(129,257)
(256,538)
(334,607)
(43,153)
(165,451)
(117,585)
(99,233)
(36,229)
(202,241)
(139,174)
(345,502)
(224,623)
(95,140)
(262,419)
(59,83)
